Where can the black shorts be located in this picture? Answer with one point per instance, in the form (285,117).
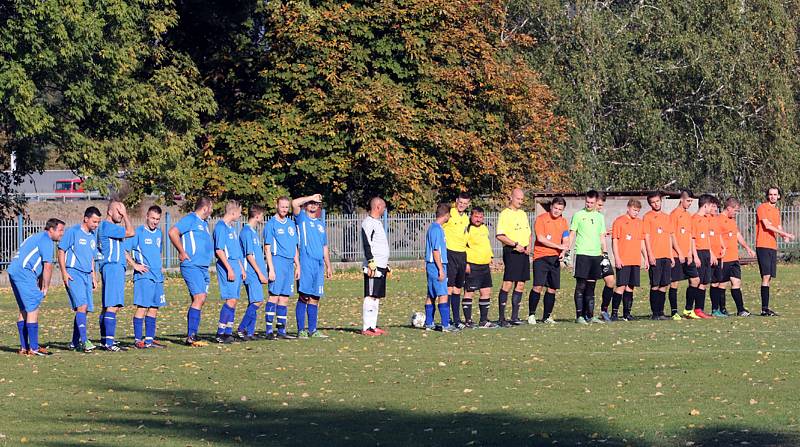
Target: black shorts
(628,275)
(683,270)
(716,272)
(704,271)
(547,272)
(479,277)
(456,268)
(588,267)
(767,261)
(731,269)
(517,266)
(376,286)
(661,273)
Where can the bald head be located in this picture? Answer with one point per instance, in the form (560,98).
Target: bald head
(376,207)
(517,197)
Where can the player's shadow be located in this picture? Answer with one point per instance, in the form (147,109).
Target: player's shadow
(185,417)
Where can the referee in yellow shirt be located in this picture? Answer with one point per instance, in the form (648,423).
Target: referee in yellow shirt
(455,233)
(479,275)
(514,232)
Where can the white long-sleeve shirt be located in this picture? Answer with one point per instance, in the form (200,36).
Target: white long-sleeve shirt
(375,242)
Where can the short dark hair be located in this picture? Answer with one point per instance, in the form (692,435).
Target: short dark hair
(601,196)
(634,203)
(476,209)
(775,188)
(53,223)
(558,201)
(464,196)
(154,209)
(687,192)
(592,194)
(255,210)
(91,212)
(442,209)
(732,201)
(704,199)
(653,195)
(201,202)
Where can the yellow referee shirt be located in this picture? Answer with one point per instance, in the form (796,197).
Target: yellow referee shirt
(515,226)
(479,248)
(455,230)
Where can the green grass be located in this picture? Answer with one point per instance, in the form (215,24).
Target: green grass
(715,382)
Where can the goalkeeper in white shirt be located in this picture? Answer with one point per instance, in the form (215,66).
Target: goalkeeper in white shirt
(376,265)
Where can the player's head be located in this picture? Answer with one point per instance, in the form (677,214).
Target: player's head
(312,206)
(634,206)
(557,206)
(773,194)
(203,207)
(715,204)
(686,199)
(153,217)
(376,206)
(476,216)
(462,202)
(704,203)
(282,206)
(256,213)
(654,200)
(91,218)
(54,228)
(516,198)
(732,206)
(114,210)
(601,201)
(233,209)
(442,212)
(590,199)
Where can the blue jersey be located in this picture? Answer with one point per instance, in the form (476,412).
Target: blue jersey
(281,236)
(251,245)
(145,248)
(434,240)
(110,238)
(226,239)
(34,252)
(80,248)
(313,236)
(196,240)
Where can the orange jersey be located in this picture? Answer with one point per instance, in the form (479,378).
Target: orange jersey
(764,237)
(553,230)
(681,222)
(730,235)
(657,226)
(714,234)
(700,232)
(628,233)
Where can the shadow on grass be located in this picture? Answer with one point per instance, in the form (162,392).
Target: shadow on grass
(200,417)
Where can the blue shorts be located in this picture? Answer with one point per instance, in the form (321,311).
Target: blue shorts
(284,277)
(197,279)
(436,288)
(255,290)
(229,290)
(80,291)
(26,290)
(148,293)
(312,276)
(113,274)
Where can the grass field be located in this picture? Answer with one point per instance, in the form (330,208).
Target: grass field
(733,381)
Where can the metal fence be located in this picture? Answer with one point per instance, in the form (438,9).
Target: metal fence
(406,234)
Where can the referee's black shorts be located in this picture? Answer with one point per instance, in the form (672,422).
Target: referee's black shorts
(517,266)
(456,268)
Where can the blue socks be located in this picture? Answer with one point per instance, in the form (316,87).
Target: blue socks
(101,320)
(229,323)
(269,315)
(33,336)
(149,330)
(226,316)
(300,314)
(80,323)
(110,321)
(247,324)
(282,312)
(193,321)
(137,328)
(313,311)
(429,314)
(23,335)
(444,311)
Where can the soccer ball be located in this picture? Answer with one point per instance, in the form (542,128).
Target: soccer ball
(532,319)
(418,320)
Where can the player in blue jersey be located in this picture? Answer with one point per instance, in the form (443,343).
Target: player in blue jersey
(315,263)
(255,269)
(230,268)
(111,265)
(436,270)
(191,238)
(144,256)
(29,273)
(77,252)
(280,242)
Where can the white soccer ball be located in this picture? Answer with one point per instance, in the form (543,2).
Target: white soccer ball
(532,319)
(418,320)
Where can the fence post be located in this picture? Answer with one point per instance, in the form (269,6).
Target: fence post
(20,230)
(167,251)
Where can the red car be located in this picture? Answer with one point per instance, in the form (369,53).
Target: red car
(69,186)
